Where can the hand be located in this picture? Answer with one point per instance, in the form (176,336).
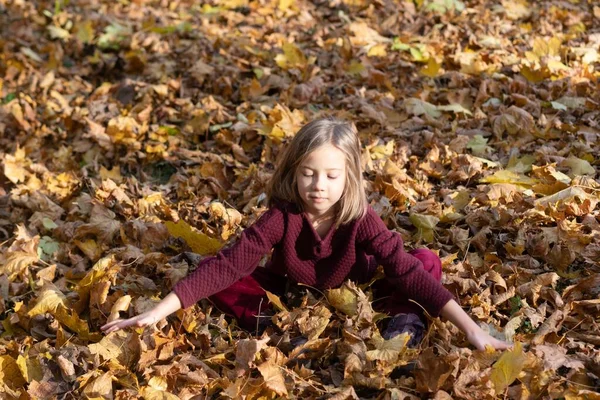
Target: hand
(481,339)
(139,321)
(166,307)
(477,336)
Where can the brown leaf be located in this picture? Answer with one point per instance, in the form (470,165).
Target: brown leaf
(431,372)
(273,377)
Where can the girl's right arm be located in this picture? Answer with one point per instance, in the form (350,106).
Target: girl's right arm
(215,273)
(166,307)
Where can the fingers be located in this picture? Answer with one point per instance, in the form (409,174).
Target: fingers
(118,324)
(139,321)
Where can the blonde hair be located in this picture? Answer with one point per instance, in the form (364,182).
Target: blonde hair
(343,135)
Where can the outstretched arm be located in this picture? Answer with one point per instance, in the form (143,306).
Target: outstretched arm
(166,307)
(476,336)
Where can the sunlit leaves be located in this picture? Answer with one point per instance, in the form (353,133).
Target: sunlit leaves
(425,225)
(387,350)
(198,241)
(508,368)
(344,300)
(273,377)
(292,57)
(478,137)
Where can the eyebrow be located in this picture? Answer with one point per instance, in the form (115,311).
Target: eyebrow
(328,169)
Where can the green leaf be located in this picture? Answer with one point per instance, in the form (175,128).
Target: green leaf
(570,102)
(47,248)
(399,45)
(113,36)
(58,32)
(478,145)
(9,97)
(558,106)
(578,166)
(49,224)
(425,225)
(455,108)
(419,107)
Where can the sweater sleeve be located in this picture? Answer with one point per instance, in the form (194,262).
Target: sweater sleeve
(233,263)
(402,269)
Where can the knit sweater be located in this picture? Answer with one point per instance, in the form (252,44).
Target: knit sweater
(301,254)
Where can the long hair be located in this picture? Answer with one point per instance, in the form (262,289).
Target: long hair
(344,136)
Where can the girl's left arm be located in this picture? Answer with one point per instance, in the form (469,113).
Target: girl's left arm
(476,336)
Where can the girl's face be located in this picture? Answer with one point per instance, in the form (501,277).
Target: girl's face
(321,179)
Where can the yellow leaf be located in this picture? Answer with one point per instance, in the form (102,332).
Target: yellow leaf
(273,377)
(123,130)
(507,368)
(48,301)
(14,166)
(98,271)
(16,263)
(355,68)
(150,393)
(505,176)
(432,68)
(84,31)
(114,346)
(276,301)
(31,368)
(10,373)
(534,76)
(516,9)
(53,301)
(198,241)
(387,350)
(382,151)
(120,305)
(292,57)
(343,299)
(379,50)
(425,225)
(158,383)
(99,388)
(113,174)
(89,247)
(285,4)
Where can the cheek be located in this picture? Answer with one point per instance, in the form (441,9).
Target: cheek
(301,184)
(339,186)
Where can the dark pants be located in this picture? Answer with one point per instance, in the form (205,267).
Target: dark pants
(246,298)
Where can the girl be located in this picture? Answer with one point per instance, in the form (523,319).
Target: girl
(322,232)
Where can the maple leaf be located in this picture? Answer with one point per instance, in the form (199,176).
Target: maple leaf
(10,374)
(273,377)
(198,241)
(387,350)
(343,299)
(508,368)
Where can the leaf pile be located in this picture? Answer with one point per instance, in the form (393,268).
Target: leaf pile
(137,137)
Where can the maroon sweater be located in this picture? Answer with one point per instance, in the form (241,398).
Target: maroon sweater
(301,254)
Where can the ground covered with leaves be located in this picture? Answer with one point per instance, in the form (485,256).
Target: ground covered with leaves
(138,135)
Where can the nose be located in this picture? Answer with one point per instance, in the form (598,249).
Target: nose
(319,182)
